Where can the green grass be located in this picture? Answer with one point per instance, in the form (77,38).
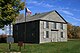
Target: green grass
(72,46)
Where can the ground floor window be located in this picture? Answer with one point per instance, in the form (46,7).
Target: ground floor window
(61,34)
(46,34)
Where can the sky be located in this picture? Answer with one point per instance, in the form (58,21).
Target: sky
(68,9)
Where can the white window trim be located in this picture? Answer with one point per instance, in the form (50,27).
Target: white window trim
(44,24)
(62,35)
(44,34)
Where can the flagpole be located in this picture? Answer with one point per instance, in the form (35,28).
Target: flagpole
(25,10)
(25,25)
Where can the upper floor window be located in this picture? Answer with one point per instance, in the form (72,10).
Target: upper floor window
(61,26)
(54,25)
(46,24)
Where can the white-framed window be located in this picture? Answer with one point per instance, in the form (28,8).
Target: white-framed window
(46,34)
(46,24)
(54,25)
(61,26)
(61,34)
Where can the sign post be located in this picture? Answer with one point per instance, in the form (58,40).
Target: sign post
(10,40)
(20,44)
(10,46)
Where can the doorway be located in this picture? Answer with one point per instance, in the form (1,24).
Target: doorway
(54,36)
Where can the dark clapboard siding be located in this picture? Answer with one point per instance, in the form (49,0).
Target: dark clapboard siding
(32,32)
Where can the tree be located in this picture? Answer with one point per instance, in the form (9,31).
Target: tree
(9,10)
(69,30)
(73,31)
(76,32)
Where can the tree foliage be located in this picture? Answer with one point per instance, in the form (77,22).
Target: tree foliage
(9,9)
(69,30)
(73,31)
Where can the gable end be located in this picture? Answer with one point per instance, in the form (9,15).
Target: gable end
(61,16)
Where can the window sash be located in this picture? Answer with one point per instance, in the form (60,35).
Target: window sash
(54,25)
(61,34)
(46,34)
(61,26)
(46,24)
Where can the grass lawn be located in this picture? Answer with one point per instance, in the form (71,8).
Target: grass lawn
(72,46)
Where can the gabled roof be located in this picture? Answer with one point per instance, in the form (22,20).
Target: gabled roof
(40,15)
(60,16)
(37,17)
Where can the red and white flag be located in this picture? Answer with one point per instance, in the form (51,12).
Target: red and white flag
(28,11)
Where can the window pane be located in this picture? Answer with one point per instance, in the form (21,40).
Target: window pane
(44,34)
(47,34)
(54,25)
(61,26)
(46,25)
(61,34)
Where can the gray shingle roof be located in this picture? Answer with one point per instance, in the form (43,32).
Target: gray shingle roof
(36,17)
(31,18)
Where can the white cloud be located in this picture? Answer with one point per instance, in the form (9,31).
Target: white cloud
(68,8)
(76,10)
(42,3)
(48,5)
(67,12)
(65,8)
(33,2)
(73,18)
